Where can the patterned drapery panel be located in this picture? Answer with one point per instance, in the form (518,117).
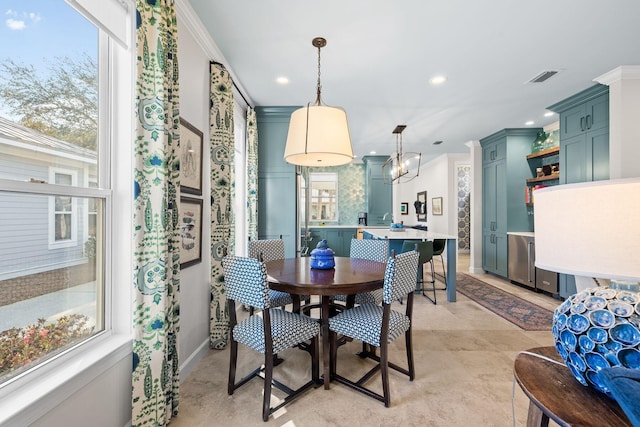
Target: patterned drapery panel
(155,379)
(252,174)
(222,149)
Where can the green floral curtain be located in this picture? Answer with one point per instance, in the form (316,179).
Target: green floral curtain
(222,149)
(252,174)
(156,250)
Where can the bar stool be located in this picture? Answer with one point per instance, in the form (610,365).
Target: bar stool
(425,250)
(438,249)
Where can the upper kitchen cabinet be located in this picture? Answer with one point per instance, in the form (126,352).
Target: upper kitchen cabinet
(276,179)
(584,135)
(504,173)
(378,194)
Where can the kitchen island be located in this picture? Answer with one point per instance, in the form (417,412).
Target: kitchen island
(397,238)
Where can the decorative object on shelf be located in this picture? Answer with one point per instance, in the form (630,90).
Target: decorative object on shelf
(401,166)
(404,208)
(322,257)
(539,143)
(436,206)
(421,206)
(598,327)
(318,134)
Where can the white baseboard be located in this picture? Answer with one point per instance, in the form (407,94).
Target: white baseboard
(476,270)
(190,363)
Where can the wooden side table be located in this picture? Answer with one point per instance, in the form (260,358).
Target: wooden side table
(555,394)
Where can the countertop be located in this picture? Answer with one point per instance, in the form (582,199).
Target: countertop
(406,234)
(346,226)
(521,233)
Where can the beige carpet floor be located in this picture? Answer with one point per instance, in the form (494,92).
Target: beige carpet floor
(464,358)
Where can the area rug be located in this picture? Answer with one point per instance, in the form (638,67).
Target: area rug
(520,312)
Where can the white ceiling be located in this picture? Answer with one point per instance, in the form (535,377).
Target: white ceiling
(380,55)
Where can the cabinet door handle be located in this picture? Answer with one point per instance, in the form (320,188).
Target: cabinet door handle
(529,244)
(589,121)
(582,124)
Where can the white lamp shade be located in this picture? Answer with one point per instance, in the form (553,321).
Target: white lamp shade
(589,229)
(318,136)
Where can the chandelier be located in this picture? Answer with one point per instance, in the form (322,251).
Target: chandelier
(401,167)
(318,134)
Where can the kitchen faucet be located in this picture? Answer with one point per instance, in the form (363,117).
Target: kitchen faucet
(384,218)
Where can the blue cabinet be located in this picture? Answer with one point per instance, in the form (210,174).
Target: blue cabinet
(504,173)
(584,135)
(378,194)
(276,179)
(584,146)
(338,239)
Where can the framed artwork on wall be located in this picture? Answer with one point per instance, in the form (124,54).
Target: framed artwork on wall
(190,223)
(421,206)
(404,208)
(190,158)
(436,205)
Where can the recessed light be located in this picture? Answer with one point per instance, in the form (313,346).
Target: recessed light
(282,80)
(372,152)
(438,80)
(549,114)
(529,123)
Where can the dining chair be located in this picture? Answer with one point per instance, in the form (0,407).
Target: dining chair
(379,326)
(425,249)
(269,250)
(269,332)
(373,250)
(438,249)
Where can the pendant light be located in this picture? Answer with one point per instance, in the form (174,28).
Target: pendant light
(401,167)
(318,134)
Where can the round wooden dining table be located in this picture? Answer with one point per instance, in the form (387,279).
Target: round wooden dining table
(349,277)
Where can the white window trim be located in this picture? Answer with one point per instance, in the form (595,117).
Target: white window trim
(32,396)
(324,177)
(73,241)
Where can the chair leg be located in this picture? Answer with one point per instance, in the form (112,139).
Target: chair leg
(384,370)
(433,284)
(444,274)
(315,360)
(268,378)
(233,358)
(407,339)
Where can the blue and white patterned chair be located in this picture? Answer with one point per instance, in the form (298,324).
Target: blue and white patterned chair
(269,250)
(378,326)
(268,332)
(373,250)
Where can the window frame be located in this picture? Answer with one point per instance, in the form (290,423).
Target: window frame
(333,201)
(29,396)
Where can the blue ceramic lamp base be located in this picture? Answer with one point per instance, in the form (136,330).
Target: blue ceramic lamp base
(596,329)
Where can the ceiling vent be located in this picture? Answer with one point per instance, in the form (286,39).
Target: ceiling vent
(437,142)
(543,76)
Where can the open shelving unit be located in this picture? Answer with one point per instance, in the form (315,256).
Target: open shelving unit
(549,179)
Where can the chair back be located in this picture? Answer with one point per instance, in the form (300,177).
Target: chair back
(400,276)
(245,281)
(425,249)
(371,249)
(270,249)
(438,246)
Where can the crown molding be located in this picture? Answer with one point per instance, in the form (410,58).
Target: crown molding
(623,72)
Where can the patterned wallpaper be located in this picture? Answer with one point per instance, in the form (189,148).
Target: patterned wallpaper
(464,208)
(351,186)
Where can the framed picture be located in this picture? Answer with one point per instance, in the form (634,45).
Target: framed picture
(190,158)
(404,208)
(436,205)
(190,223)
(421,206)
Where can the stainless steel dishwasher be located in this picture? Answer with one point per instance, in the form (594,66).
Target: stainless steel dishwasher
(522,259)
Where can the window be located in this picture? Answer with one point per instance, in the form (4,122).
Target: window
(53,227)
(62,211)
(324,196)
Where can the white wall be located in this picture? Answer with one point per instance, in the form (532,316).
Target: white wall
(195,289)
(438,179)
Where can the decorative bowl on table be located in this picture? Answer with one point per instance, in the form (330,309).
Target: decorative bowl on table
(322,256)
